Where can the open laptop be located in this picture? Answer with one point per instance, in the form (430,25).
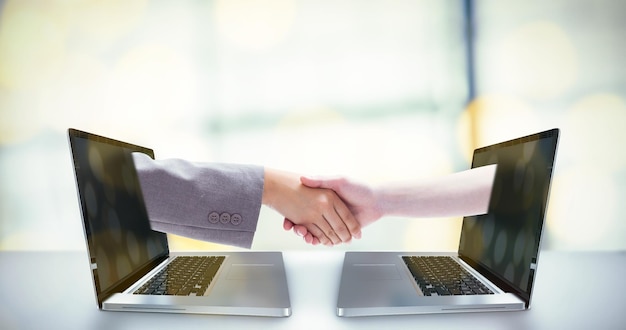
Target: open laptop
(495,266)
(131,265)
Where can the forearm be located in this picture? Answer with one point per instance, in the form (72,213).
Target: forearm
(201,200)
(459,194)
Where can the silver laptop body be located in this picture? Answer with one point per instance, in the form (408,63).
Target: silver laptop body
(124,253)
(500,248)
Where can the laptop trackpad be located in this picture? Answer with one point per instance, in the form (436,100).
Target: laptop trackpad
(250,271)
(376,271)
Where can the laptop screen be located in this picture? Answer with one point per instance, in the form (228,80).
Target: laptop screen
(504,243)
(121,245)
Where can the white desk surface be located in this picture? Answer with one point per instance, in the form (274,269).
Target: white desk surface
(53,290)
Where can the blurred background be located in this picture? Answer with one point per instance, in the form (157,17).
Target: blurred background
(375,90)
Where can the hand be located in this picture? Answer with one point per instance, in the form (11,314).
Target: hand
(359,198)
(458,194)
(319,212)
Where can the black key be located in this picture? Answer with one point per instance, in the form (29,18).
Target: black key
(442,291)
(183,292)
(456,292)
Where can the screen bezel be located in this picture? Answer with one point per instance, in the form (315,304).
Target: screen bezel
(487,272)
(122,284)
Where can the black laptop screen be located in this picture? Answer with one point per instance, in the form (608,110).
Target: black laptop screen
(504,243)
(119,238)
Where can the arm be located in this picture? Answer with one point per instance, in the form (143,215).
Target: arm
(212,202)
(459,194)
(221,202)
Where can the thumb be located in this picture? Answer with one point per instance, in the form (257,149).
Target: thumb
(317,182)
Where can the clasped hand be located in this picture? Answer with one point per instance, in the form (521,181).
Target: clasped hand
(317,212)
(323,211)
(359,199)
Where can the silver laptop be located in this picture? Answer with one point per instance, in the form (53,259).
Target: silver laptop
(496,263)
(131,265)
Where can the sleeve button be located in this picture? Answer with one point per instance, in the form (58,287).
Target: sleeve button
(214,217)
(225,218)
(235,219)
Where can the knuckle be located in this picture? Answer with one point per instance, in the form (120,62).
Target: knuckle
(342,231)
(354,226)
(324,199)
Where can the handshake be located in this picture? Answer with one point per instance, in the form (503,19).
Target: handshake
(333,210)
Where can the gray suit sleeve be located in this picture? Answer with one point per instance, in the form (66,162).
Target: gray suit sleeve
(207,201)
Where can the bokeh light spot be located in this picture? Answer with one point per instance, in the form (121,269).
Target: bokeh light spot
(538,59)
(254,25)
(494,118)
(589,125)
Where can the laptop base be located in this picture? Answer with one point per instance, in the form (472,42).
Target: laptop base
(378,283)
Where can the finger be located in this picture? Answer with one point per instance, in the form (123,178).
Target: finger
(316,231)
(313,240)
(311,181)
(300,230)
(334,227)
(351,223)
(338,229)
(339,219)
(320,182)
(308,238)
(287,224)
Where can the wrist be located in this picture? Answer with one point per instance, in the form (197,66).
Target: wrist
(269,187)
(380,203)
(275,185)
(394,200)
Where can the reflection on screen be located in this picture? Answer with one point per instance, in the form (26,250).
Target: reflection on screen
(118,231)
(506,240)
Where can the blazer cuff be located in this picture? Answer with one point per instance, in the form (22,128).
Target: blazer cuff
(242,239)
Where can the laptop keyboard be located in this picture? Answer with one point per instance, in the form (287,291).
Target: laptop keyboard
(443,276)
(184,276)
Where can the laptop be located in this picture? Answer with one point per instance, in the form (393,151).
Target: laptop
(497,260)
(131,265)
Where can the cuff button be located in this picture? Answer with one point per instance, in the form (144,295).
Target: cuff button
(235,219)
(214,217)
(225,218)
